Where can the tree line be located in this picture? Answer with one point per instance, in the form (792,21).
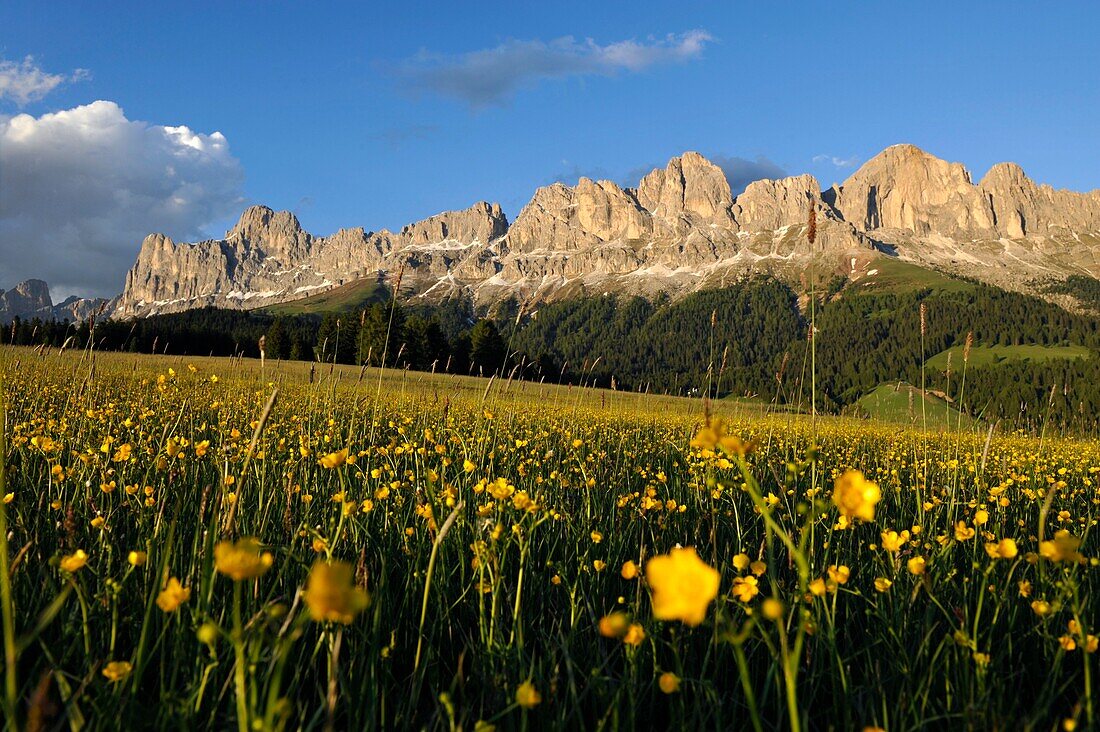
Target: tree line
(750,339)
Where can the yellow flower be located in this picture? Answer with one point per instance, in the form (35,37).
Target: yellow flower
(916,565)
(963,532)
(117,670)
(856,496)
(745,588)
(882,584)
(74,562)
(173,595)
(468,466)
(758,568)
(1062,548)
(614,625)
(839,574)
(634,636)
(817,587)
(683,586)
(137,558)
(892,541)
(334,459)
(207,633)
(331,593)
(1003,549)
(668,682)
(1025,588)
(241,560)
(527,696)
(981,516)
(599,565)
(629,570)
(741,562)
(772,609)
(1040,607)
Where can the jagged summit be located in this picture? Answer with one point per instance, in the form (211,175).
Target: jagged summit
(680,229)
(31,299)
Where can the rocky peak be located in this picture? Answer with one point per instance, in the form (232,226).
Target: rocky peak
(26,297)
(1006,174)
(31,299)
(771,204)
(690,184)
(483,222)
(258,222)
(904,187)
(271,233)
(560,217)
(1020,207)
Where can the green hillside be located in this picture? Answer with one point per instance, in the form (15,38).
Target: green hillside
(351,296)
(900,402)
(993,355)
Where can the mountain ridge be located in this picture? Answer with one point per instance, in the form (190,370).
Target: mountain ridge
(680,230)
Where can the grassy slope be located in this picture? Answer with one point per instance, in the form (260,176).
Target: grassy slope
(992,355)
(340,299)
(891,403)
(894,275)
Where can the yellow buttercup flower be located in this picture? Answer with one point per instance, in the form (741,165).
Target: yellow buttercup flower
(745,588)
(772,609)
(634,635)
(963,532)
(1003,549)
(629,570)
(668,682)
(892,541)
(1062,548)
(241,560)
(856,496)
(331,594)
(683,586)
(916,565)
(614,625)
(137,559)
(173,595)
(334,459)
(74,562)
(117,670)
(527,696)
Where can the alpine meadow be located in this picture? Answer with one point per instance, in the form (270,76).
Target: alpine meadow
(716,394)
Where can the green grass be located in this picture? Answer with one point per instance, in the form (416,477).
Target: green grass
(894,275)
(347,297)
(490,522)
(891,403)
(993,355)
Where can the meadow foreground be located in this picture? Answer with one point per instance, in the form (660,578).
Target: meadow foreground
(371,550)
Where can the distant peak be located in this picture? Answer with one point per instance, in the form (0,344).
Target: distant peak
(1005,173)
(258,219)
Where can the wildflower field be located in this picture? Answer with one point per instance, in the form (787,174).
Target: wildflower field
(207,543)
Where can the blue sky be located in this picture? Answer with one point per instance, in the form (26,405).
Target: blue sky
(353,114)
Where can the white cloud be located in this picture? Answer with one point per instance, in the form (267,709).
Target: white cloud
(836,161)
(490,76)
(80,189)
(24,82)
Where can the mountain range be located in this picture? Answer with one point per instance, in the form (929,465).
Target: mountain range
(680,230)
